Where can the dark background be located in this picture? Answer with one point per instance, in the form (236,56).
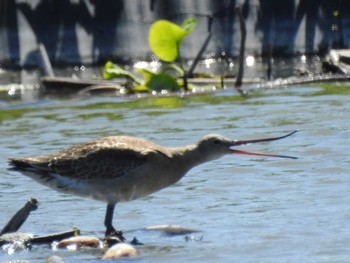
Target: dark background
(93,31)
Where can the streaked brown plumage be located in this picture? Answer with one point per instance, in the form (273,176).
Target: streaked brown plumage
(122,168)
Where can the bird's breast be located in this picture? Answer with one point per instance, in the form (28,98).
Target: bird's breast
(146,179)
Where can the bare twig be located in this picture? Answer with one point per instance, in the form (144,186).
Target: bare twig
(189,73)
(269,62)
(20,217)
(202,49)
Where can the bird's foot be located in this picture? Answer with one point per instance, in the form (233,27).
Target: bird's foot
(116,236)
(136,242)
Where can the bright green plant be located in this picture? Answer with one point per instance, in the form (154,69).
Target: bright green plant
(151,80)
(165,40)
(112,71)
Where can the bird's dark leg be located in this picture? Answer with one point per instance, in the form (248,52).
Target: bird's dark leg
(109,218)
(110,231)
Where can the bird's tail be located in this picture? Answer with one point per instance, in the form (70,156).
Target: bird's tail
(18,165)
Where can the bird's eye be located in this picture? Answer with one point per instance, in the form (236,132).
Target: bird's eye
(217,141)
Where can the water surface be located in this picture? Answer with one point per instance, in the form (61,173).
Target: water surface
(249,209)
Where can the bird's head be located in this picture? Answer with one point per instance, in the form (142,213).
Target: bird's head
(215,146)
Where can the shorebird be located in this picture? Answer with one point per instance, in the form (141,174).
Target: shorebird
(122,168)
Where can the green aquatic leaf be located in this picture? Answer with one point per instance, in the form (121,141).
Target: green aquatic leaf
(164,39)
(156,81)
(146,73)
(162,81)
(112,71)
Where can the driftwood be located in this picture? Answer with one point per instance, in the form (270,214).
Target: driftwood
(47,239)
(112,247)
(9,233)
(23,240)
(324,78)
(172,230)
(60,84)
(18,219)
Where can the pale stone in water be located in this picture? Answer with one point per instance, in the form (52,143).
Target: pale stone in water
(54,259)
(120,250)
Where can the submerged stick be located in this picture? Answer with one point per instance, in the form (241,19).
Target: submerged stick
(243,30)
(54,237)
(20,217)
(202,49)
(45,64)
(269,62)
(189,73)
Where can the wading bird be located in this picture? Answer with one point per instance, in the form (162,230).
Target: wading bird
(122,168)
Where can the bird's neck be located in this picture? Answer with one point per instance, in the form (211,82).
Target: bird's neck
(188,156)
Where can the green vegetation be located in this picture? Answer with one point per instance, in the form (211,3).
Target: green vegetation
(164,40)
(12,114)
(112,71)
(146,103)
(160,105)
(335,88)
(108,115)
(282,122)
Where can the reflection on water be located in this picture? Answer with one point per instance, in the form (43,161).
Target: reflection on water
(25,85)
(250,209)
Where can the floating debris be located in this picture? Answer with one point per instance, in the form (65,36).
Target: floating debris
(80,241)
(172,230)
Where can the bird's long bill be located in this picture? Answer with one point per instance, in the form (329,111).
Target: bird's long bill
(262,154)
(237,143)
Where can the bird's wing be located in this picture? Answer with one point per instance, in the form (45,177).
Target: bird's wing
(108,157)
(102,163)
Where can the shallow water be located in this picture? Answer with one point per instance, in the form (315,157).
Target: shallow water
(249,209)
